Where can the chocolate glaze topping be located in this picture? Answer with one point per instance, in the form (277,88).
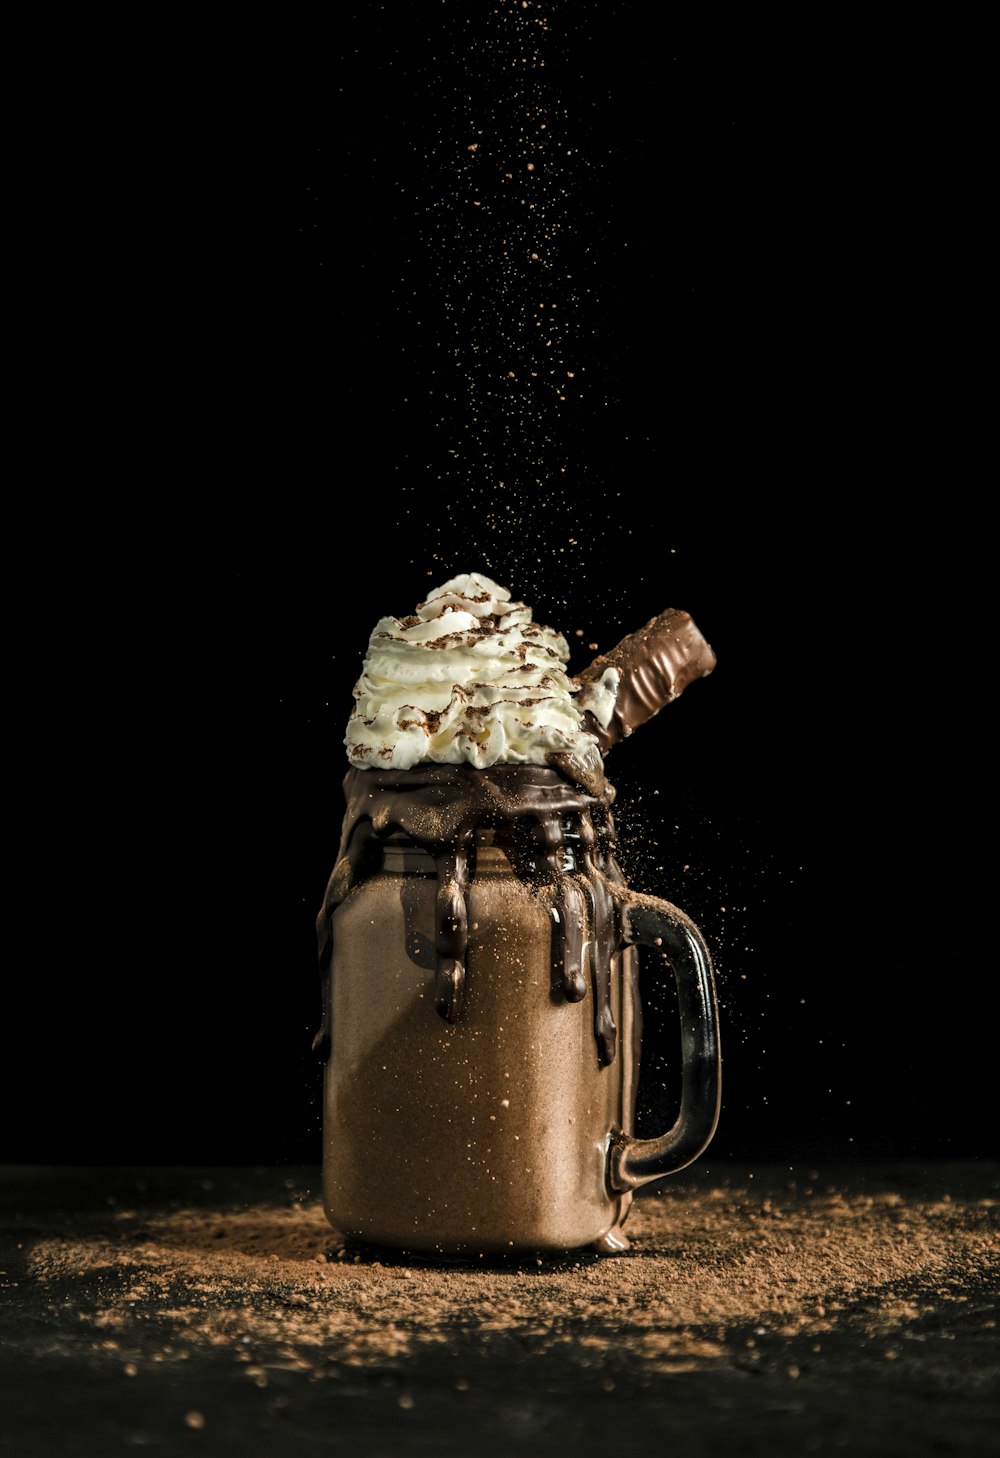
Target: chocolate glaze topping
(656,663)
(554,834)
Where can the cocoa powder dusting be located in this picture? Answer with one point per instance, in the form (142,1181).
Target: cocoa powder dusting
(727,1270)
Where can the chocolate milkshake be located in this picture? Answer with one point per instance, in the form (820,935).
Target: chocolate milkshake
(476,884)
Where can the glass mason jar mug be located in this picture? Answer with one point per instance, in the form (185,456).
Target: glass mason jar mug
(482,1020)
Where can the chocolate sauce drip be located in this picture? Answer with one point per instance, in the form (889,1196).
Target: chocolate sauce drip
(554,833)
(451,928)
(604,924)
(569,942)
(655,664)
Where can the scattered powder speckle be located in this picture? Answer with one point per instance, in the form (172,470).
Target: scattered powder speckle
(769,1310)
(717,1272)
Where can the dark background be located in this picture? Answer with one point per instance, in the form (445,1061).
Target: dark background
(283,332)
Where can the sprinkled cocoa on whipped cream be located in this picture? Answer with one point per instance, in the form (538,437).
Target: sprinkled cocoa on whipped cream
(470,678)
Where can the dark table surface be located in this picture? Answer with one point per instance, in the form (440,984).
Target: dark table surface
(761,1309)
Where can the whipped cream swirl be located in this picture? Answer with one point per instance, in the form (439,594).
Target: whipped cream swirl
(470,678)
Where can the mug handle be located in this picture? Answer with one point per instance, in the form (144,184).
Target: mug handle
(650,922)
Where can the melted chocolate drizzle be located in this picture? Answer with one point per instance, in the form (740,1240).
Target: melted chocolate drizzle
(553,832)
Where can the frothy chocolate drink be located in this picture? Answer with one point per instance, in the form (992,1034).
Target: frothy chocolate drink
(467,730)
